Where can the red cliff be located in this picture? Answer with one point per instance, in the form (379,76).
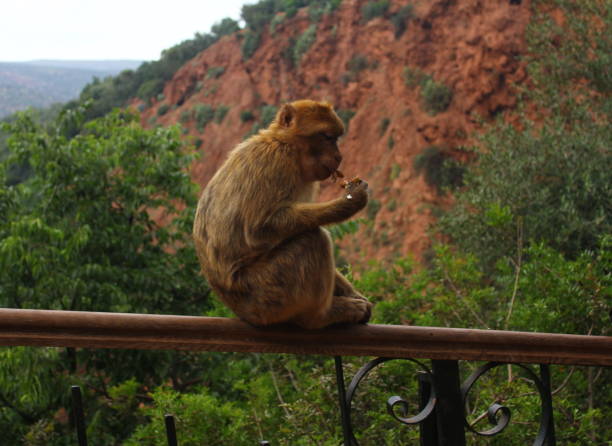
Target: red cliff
(471,46)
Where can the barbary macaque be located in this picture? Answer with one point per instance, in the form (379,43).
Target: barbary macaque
(259,235)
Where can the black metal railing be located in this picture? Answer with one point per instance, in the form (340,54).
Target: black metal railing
(442,398)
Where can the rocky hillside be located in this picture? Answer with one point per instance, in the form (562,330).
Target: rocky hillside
(421,75)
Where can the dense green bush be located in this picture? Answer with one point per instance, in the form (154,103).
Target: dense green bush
(203,114)
(185,116)
(246,115)
(436,96)
(215,72)
(414,77)
(384,124)
(400,18)
(267,113)
(162,109)
(277,20)
(257,15)
(225,27)
(346,115)
(316,12)
(356,65)
(220,113)
(373,9)
(439,169)
(250,43)
(200,416)
(303,43)
(372,208)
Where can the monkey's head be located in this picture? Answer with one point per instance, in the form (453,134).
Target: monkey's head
(312,129)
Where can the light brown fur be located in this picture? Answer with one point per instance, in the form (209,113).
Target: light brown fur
(259,235)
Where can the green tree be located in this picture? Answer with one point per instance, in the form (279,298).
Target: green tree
(102,224)
(548,179)
(225,27)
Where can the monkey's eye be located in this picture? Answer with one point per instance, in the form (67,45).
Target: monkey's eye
(329,137)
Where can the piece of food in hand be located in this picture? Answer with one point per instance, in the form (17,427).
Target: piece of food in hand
(336,174)
(348,185)
(352,183)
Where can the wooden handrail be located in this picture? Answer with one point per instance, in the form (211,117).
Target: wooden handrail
(162,332)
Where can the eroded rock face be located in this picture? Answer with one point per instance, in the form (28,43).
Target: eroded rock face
(471,46)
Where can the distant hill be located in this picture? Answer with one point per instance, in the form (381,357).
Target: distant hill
(41,83)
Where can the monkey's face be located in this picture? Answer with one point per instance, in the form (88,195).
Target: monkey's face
(321,156)
(313,128)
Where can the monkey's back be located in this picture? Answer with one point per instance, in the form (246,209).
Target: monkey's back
(251,185)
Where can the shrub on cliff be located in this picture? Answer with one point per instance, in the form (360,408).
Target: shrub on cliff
(250,44)
(163,109)
(215,72)
(203,114)
(436,96)
(220,113)
(439,169)
(246,115)
(400,18)
(303,43)
(373,9)
(346,115)
(225,27)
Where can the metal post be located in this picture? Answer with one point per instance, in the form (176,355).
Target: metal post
(545,377)
(170,430)
(79,418)
(449,407)
(427,428)
(346,422)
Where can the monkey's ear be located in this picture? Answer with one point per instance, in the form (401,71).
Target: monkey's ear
(286,115)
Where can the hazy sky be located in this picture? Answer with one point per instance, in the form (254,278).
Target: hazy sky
(108,29)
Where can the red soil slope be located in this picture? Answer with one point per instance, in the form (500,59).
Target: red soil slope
(472,46)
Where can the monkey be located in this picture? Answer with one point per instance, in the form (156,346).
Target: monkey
(259,235)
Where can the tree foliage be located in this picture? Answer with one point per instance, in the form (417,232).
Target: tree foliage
(548,178)
(102,224)
(81,232)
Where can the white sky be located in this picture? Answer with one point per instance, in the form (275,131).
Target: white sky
(104,29)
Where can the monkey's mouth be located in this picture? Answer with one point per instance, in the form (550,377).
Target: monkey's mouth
(332,167)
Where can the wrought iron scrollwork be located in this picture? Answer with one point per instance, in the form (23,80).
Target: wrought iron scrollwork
(397,407)
(499,415)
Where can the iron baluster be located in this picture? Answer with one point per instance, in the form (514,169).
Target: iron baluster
(347,432)
(428,433)
(545,375)
(79,418)
(170,430)
(449,410)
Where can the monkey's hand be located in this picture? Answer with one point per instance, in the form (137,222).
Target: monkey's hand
(357,189)
(300,217)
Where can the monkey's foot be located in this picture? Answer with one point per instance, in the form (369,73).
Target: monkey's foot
(358,295)
(353,309)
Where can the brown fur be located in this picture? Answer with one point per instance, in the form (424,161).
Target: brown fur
(259,236)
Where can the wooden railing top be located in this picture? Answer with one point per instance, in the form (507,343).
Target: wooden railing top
(163,332)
